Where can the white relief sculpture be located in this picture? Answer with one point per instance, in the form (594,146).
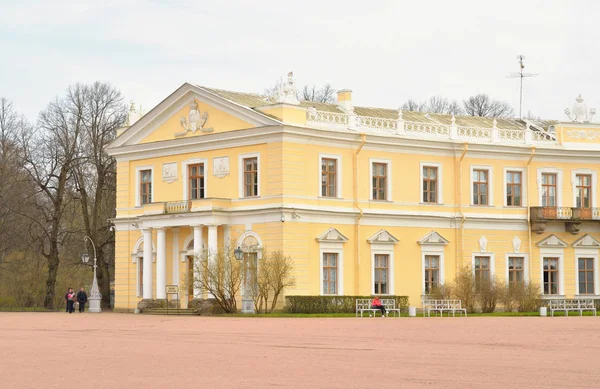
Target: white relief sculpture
(220,167)
(287,91)
(580,113)
(169,172)
(483,244)
(195,121)
(583,134)
(516,244)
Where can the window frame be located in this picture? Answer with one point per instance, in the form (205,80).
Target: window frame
(523,172)
(525,258)
(330,249)
(559,184)
(383,249)
(593,183)
(425,269)
(377,270)
(185,176)
(490,185)
(241,175)
(592,253)
(492,263)
(553,253)
(439,181)
(388,183)
(338,178)
(433,250)
(138,182)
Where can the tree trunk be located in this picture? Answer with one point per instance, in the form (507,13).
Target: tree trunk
(53,262)
(103,280)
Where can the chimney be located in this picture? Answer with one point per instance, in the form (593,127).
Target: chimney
(344,99)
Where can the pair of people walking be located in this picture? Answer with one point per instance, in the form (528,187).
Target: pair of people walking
(72,298)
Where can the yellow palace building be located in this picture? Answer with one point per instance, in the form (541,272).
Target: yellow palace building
(365,200)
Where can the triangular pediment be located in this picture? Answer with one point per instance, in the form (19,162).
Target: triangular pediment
(587,241)
(382,236)
(552,241)
(433,238)
(332,235)
(190,111)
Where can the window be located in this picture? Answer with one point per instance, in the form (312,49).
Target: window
(482,271)
(586,275)
(480,186)
(432,272)
(381,273)
(430,179)
(145,186)
(515,270)
(513,189)
(550,275)
(583,190)
(250,177)
(328,177)
(379,181)
(330,271)
(196,181)
(548,189)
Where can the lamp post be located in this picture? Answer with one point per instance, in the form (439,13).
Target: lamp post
(95,296)
(247,301)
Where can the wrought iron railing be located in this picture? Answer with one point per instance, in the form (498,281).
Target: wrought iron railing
(551,213)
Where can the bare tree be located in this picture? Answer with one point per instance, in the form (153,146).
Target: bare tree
(274,274)
(412,105)
(324,94)
(483,105)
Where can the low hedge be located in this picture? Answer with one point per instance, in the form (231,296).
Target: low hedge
(333,304)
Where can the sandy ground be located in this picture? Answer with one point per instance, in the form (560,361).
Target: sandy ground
(58,350)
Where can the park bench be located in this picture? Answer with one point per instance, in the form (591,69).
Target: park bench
(364,305)
(572,305)
(441,306)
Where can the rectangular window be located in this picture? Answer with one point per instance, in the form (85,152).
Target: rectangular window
(381,273)
(250,177)
(515,270)
(550,275)
(328,177)
(480,187)
(548,189)
(196,181)
(482,271)
(379,181)
(583,191)
(430,179)
(513,189)
(586,275)
(432,272)
(145,186)
(330,272)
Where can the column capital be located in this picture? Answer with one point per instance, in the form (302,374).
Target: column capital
(160,228)
(175,229)
(146,229)
(197,225)
(213,225)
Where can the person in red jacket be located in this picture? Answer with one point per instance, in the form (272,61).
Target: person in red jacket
(376,303)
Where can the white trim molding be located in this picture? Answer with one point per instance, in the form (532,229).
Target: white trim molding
(440,183)
(587,247)
(383,243)
(594,189)
(559,184)
(525,258)
(523,172)
(388,178)
(435,250)
(185,175)
(492,257)
(241,158)
(338,175)
(490,170)
(138,169)
(553,252)
(332,242)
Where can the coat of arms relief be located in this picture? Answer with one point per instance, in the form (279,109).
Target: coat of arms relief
(195,121)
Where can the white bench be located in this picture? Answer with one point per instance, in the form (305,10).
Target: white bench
(364,305)
(441,306)
(572,305)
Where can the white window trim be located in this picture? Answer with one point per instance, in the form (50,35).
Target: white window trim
(440,185)
(385,249)
(185,175)
(241,158)
(388,178)
(523,172)
(432,250)
(525,265)
(332,248)
(338,175)
(594,174)
(553,253)
(138,202)
(587,253)
(484,254)
(559,184)
(490,170)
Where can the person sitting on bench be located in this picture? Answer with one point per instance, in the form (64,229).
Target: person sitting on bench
(376,303)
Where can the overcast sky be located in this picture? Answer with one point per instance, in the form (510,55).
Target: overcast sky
(385,51)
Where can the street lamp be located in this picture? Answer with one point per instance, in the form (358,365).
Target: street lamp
(247,301)
(95,296)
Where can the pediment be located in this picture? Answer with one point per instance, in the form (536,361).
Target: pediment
(587,241)
(332,235)
(433,238)
(190,111)
(382,236)
(552,241)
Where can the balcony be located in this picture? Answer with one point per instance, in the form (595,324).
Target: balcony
(178,206)
(572,217)
(185,206)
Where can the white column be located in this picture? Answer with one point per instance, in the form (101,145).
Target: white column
(212,242)
(147,292)
(226,237)
(161,263)
(175,239)
(197,257)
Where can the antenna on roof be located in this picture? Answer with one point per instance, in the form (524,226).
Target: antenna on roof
(521,75)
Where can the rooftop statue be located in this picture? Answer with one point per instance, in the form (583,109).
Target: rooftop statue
(287,91)
(580,113)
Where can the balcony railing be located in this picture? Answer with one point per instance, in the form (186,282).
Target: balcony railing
(178,206)
(564,214)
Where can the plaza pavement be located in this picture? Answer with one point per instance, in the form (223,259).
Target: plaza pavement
(110,350)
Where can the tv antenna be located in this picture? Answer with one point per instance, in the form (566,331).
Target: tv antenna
(520,74)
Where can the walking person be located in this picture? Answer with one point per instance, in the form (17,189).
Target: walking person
(81,299)
(376,303)
(70,297)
